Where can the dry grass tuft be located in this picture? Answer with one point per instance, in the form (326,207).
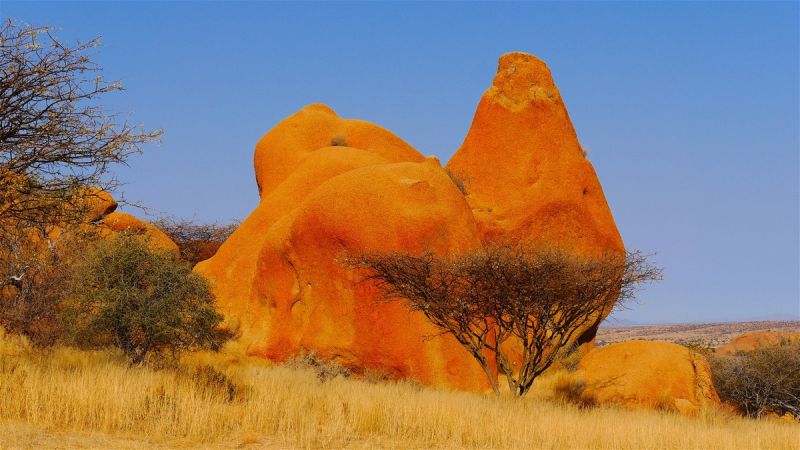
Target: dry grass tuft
(68,398)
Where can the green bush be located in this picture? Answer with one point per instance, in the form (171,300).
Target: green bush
(141,300)
(762,380)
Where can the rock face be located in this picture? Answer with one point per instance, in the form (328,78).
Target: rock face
(331,186)
(757,339)
(526,174)
(98,204)
(647,374)
(525,171)
(277,277)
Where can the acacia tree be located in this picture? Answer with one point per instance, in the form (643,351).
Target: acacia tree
(518,305)
(56,142)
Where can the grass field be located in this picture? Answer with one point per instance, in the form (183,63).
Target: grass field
(69,398)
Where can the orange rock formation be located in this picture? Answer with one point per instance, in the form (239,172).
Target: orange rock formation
(330,186)
(525,171)
(118,222)
(526,174)
(98,204)
(757,339)
(648,374)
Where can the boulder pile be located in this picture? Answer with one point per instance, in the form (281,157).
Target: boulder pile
(331,186)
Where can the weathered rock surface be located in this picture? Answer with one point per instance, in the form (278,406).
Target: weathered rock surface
(278,280)
(525,171)
(648,374)
(331,186)
(527,177)
(98,204)
(757,339)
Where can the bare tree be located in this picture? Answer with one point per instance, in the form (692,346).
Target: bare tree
(56,142)
(518,305)
(57,145)
(196,241)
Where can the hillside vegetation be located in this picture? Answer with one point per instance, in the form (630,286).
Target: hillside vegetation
(68,398)
(712,334)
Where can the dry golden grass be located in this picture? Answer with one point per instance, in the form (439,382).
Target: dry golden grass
(67,398)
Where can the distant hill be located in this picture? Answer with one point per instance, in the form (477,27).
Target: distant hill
(614,322)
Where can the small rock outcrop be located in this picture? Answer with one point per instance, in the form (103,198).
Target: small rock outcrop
(754,340)
(119,222)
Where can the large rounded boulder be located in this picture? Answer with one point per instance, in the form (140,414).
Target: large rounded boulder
(329,188)
(648,374)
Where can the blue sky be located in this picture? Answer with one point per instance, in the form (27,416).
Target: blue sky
(689,112)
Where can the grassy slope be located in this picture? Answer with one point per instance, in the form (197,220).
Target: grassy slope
(67,398)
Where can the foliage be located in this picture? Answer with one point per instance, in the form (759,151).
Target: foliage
(56,142)
(141,300)
(763,380)
(458,180)
(535,299)
(324,369)
(34,268)
(56,147)
(570,356)
(339,140)
(702,346)
(571,389)
(196,241)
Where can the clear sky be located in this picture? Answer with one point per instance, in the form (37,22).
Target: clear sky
(689,112)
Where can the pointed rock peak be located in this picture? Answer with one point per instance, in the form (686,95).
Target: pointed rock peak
(521,79)
(432,160)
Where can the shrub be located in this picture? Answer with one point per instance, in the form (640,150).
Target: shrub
(704,347)
(458,180)
(762,380)
(324,369)
(571,389)
(214,382)
(196,241)
(570,356)
(140,300)
(33,282)
(339,141)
